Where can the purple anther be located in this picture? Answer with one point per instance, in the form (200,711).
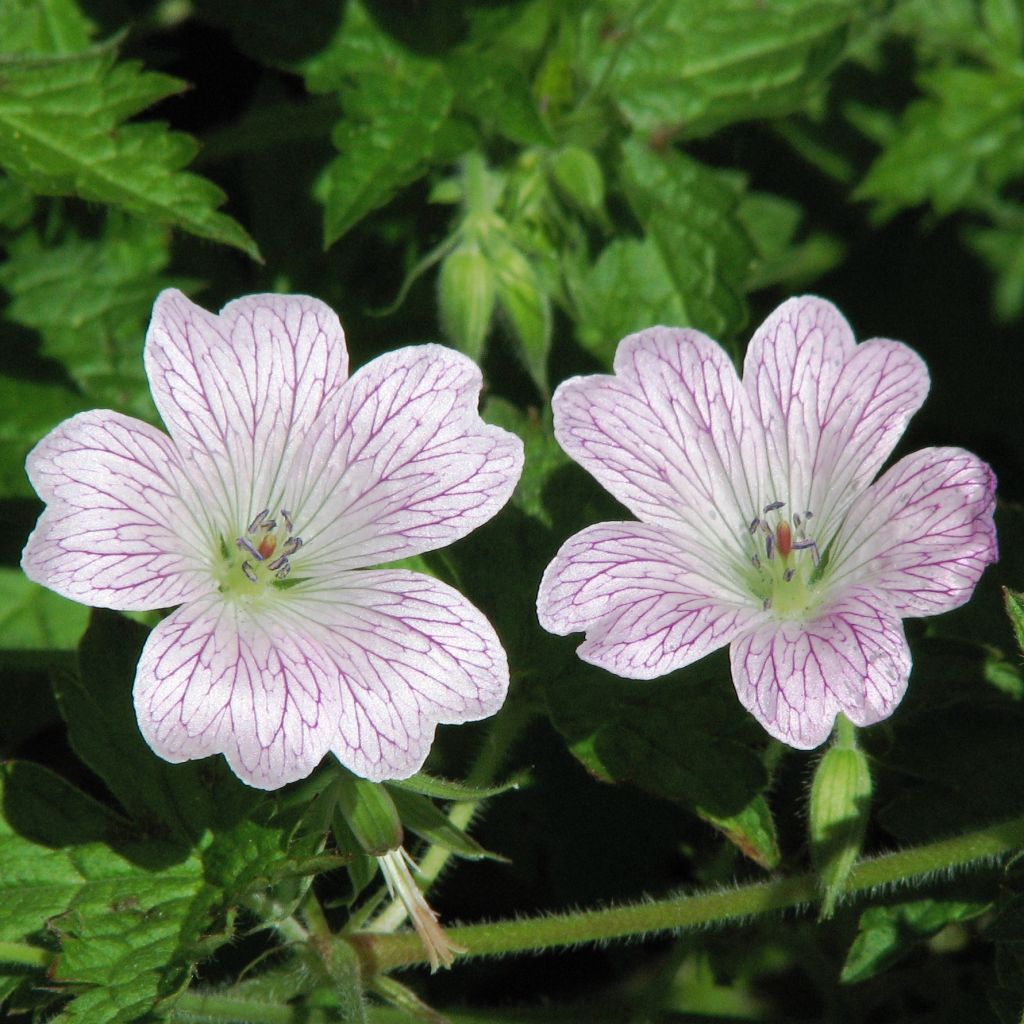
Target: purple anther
(270,524)
(774,506)
(283,571)
(250,573)
(291,545)
(755,560)
(812,546)
(243,544)
(769,547)
(287,517)
(754,524)
(788,575)
(278,563)
(796,520)
(257,522)
(808,515)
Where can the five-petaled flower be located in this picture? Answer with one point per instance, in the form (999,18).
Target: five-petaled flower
(282,479)
(760,525)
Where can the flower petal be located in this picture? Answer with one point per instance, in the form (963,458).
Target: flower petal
(240,391)
(923,533)
(410,652)
(831,410)
(118,530)
(407,465)
(648,605)
(795,677)
(667,435)
(215,679)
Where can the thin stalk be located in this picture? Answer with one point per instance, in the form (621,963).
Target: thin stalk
(26,956)
(386,952)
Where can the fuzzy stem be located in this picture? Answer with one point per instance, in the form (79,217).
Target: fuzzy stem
(26,956)
(386,952)
(205,1008)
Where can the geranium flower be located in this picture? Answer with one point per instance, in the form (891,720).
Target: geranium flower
(281,480)
(760,526)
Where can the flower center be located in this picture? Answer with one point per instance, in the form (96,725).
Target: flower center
(785,560)
(263,554)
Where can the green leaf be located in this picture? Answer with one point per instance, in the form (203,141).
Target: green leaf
(446,789)
(1014,603)
(370,813)
(886,934)
(500,100)
(421,816)
(1002,248)
(61,133)
(691,268)
(123,928)
(965,139)
(31,409)
(693,68)
(677,738)
(90,300)
(395,104)
(33,618)
(43,26)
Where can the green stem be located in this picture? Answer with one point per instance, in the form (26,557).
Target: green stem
(26,956)
(386,952)
(201,1008)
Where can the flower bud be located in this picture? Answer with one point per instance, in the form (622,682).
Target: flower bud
(466,292)
(525,303)
(369,812)
(578,175)
(840,802)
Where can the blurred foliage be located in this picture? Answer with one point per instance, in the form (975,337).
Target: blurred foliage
(530,180)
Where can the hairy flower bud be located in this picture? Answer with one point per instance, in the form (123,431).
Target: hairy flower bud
(466,294)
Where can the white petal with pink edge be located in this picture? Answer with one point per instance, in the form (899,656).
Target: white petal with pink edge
(669,435)
(216,679)
(923,533)
(831,410)
(648,606)
(406,465)
(122,527)
(240,391)
(794,677)
(410,652)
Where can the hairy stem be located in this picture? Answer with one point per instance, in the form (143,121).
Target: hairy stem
(386,952)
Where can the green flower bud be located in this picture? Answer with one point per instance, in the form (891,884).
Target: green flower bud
(369,812)
(840,802)
(466,294)
(578,175)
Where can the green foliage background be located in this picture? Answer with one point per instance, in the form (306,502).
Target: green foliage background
(527,181)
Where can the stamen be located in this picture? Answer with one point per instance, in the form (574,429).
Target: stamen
(796,520)
(287,517)
(769,546)
(250,573)
(269,525)
(755,560)
(278,563)
(788,574)
(283,571)
(244,545)
(810,545)
(808,515)
(291,545)
(766,604)
(255,524)
(773,506)
(754,524)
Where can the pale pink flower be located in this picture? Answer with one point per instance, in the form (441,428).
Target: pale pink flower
(760,526)
(282,479)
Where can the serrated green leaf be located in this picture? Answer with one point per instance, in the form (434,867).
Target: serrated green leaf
(90,300)
(61,133)
(690,269)
(675,738)
(33,618)
(1014,603)
(692,68)
(122,927)
(396,104)
(43,26)
(887,933)
(501,100)
(16,203)
(31,409)
(964,139)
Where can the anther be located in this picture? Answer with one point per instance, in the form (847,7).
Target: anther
(278,563)
(788,574)
(291,545)
(287,517)
(250,573)
(269,525)
(811,545)
(255,524)
(243,545)
(769,547)
(808,515)
(754,524)
(774,506)
(766,604)
(796,519)
(283,571)
(755,560)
